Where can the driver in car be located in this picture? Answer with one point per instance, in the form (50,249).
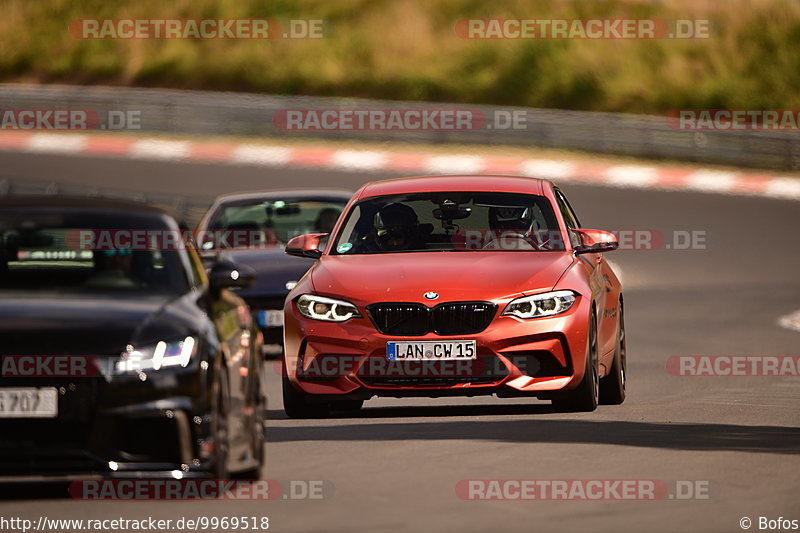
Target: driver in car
(396,227)
(510,229)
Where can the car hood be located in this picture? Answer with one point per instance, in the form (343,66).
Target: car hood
(456,276)
(273,270)
(80,324)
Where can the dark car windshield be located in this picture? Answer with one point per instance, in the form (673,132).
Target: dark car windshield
(73,250)
(265,223)
(451,221)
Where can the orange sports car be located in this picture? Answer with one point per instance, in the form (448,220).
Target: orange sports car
(454,285)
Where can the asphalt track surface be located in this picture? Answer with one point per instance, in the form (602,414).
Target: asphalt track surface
(394,465)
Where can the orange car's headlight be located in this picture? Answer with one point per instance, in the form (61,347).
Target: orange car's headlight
(541,305)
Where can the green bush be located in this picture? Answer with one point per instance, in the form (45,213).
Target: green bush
(407,49)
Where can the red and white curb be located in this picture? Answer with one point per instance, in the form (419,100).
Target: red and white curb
(790,321)
(588,172)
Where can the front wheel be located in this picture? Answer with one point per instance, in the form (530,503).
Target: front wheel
(297,404)
(612,387)
(259,418)
(585,396)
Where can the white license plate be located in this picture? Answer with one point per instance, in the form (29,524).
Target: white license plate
(430,350)
(270,318)
(29,402)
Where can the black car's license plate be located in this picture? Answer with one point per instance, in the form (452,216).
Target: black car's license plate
(28,402)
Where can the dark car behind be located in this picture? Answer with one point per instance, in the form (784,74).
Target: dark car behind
(252,229)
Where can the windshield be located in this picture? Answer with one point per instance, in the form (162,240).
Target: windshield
(451,221)
(43,250)
(266,223)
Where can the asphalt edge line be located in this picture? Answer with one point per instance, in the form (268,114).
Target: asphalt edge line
(627,176)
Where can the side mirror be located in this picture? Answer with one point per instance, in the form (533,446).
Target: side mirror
(306,245)
(209,258)
(595,241)
(226,274)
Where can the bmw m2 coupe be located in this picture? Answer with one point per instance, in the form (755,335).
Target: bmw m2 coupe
(455,285)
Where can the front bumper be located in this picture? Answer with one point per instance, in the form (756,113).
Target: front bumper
(111,427)
(539,357)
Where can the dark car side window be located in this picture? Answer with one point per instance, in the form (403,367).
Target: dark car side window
(570,219)
(198,272)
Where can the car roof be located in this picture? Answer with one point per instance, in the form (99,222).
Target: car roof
(300,194)
(79,202)
(492,183)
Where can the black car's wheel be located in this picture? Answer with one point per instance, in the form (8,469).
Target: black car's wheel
(219,424)
(347,405)
(585,396)
(259,417)
(612,387)
(297,404)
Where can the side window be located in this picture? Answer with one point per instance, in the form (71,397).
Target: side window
(569,216)
(199,273)
(569,208)
(348,234)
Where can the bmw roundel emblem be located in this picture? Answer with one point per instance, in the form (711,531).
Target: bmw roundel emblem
(431,295)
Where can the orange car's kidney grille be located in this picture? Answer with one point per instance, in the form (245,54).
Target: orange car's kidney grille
(400,318)
(453,318)
(460,318)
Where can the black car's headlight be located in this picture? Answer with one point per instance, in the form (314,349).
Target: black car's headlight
(541,305)
(159,355)
(328,309)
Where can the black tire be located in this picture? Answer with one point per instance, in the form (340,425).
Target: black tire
(612,387)
(347,405)
(296,404)
(259,440)
(220,430)
(585,397)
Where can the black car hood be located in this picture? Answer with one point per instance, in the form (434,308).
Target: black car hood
(273,270)
(56,324)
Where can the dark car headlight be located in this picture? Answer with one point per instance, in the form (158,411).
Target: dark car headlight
(157,356)
(328,309)
(541,305)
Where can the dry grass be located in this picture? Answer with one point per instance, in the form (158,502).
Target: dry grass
(407,49)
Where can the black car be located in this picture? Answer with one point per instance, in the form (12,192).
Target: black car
(120,355)
(252,229)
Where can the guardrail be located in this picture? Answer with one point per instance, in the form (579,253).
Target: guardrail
(220,113)
(187,210)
